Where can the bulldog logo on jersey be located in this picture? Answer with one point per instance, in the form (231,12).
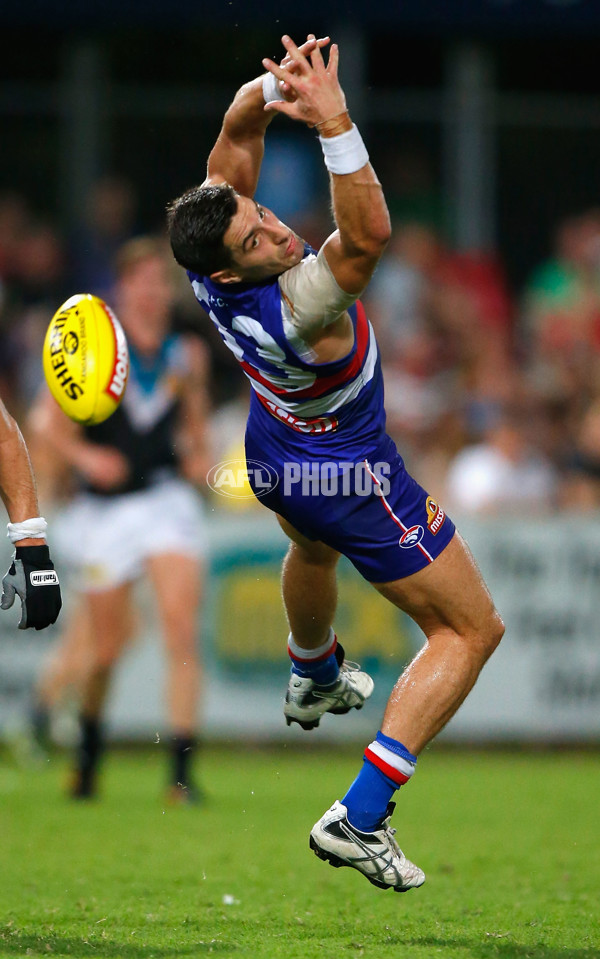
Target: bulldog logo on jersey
(411,537)
(435,516)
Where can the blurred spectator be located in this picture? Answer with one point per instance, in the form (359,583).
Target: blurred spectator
(108,221)
(581,484)
(444,324)
(410,187)
(506,473)
(35,288)
(14,219)
(560,325)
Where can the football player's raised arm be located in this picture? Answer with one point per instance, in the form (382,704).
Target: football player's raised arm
(360,210)
(237,155)
(363,228)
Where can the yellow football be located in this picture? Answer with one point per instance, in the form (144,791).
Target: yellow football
(86,360)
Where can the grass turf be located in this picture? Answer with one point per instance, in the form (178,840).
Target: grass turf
(509,843)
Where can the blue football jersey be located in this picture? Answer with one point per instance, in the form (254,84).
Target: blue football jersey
(313,407)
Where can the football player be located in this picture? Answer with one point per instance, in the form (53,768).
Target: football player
(293,318)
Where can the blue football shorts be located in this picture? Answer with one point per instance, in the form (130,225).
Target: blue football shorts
(372,511)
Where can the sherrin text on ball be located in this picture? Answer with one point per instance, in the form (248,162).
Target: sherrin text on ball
(86,359)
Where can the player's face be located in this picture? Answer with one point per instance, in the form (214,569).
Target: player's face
(145,296)
(260,244)
(148,286)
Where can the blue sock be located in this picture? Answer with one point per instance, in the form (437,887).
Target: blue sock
(387,765)
(368,798)
(320,665)
(324,673)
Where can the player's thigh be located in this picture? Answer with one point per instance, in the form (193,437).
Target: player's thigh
(76,642)
(314,551)
(109,620)
(176,580)
(449,593)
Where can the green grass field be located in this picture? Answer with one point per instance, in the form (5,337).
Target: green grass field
(510,845)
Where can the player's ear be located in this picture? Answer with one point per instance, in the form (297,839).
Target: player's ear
(226,276)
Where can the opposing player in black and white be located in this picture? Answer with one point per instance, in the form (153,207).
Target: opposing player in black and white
(137,514)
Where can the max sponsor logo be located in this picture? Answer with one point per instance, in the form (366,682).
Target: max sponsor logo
(435,515)
(43,577)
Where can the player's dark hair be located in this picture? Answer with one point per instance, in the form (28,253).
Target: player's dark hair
(197,222)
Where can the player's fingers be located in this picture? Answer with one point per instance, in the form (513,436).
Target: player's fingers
(274,68)
(308,45)
(8,596)
(23,624)
(305,49)
(277,106)
(316,59)
(311,42)
(334,59)
(294,53)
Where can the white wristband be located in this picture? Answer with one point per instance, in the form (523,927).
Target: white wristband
(27,529)
(344,153)
(271,88)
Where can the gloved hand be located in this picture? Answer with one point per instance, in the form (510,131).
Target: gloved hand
(32,576)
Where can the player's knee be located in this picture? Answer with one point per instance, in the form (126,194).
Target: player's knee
(493,633)
(105,657)
(482,637)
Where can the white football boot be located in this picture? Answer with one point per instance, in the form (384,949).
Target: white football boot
(306,702)
(375,854)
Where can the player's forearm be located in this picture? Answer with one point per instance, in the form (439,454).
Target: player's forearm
(17,483)
(359,206)
(238,152)
(360,212)
(54,432)
(246,118)
(66,439)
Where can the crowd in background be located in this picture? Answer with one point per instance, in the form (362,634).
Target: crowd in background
(492,393)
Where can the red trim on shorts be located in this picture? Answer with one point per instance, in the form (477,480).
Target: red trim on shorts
(393,516)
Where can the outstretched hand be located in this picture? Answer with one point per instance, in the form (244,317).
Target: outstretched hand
(288,63)
(311,87)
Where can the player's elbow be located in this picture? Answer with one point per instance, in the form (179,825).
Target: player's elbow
(375,237)
(380,238)
(370,244)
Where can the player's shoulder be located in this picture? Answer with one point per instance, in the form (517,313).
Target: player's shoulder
(300,271)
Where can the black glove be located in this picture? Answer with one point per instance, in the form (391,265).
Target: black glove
(32,576)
